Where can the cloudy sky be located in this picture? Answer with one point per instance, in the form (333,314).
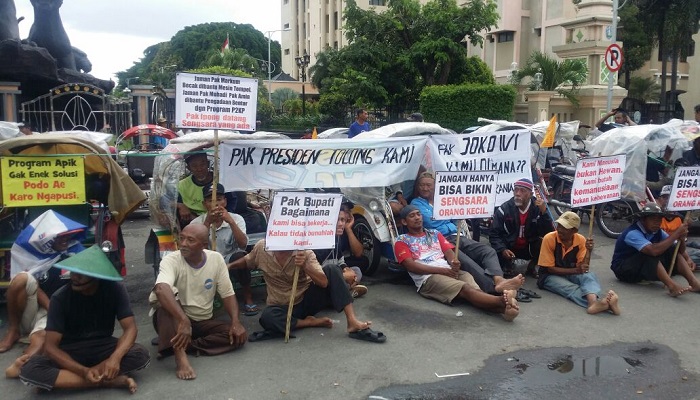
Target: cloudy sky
(115,33)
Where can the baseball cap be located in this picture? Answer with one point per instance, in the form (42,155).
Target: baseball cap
(665,191)
(208,189)
(569,220)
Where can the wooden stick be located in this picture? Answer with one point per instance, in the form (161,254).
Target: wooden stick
(287,327)
(587,257)
(678,245)
(459,226)
(214,183)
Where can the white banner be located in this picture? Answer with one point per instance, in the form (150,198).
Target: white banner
(303,220)
(215,102)
(685,194)
(464,195)
(506,152)
(597,180)
(285,164)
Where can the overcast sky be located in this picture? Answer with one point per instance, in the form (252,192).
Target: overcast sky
(114,34)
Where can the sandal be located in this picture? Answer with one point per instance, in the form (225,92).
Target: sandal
(522,297)
(250,310)
(259,336)
(358,291)
(530,293)
(368,335)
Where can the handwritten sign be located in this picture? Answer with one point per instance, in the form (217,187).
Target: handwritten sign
(685,193)
(597,180)
(283,164)
(462,195)
(215,102)
(302,220)
(507,152)
(37,181)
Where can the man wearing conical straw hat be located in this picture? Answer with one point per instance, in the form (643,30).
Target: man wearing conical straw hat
(80,350)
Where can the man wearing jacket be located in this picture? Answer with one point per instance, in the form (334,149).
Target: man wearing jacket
(518,227)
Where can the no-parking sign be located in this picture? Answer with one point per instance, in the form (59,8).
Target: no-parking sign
(613,57)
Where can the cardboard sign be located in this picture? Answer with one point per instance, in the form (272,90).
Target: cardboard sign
(38,181)
(464,195)
(215,102)
(685,194)
(597,180)
(302,220)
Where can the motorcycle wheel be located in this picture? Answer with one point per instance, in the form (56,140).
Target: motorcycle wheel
(614,217)
(370,244)
(563,194)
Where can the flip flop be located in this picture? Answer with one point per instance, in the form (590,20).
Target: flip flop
(250,310)
(530,293)
(259,336)
(368,335)
(522,297)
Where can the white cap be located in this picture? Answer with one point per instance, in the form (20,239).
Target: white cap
(665,191)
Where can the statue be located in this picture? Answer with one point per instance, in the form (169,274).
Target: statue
(8,20)
(47,32)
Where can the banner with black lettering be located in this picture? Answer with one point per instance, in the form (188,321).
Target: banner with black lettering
(284,164)
(597,180)
(507,153)
(303,220)
(685,194)
(464,195)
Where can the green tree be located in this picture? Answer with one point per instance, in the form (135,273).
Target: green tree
(564,77)
(237,58)
(281,95)
(635,40)
(643,88)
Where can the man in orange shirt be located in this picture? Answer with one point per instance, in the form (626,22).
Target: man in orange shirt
(689,250)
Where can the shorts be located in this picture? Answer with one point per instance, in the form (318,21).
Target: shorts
(642,267)
(33,317)
(444,289)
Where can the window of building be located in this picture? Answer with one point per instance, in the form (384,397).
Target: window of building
(286,52)
(377,2)
(335,45)
(286,26)
(505,37)
(286,1)
(328,23)
(335,20)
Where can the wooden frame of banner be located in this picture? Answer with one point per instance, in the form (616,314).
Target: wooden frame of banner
(288,325)
(587,258)
(678,246)
(214,183)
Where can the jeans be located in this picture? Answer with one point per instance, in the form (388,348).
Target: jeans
(573,287)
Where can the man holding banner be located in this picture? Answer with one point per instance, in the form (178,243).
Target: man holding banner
(644,252)
(478,259)
(518,227)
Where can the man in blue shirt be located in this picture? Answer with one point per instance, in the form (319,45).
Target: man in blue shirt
(644,252)
(360,125)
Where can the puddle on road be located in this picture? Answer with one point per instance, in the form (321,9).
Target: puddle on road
(567,367)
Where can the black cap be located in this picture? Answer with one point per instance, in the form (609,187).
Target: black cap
(208,189)
(416,117)
(191,156)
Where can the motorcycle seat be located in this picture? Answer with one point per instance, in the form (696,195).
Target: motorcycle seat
(565,169)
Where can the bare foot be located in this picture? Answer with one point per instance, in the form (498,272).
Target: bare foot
(358,325)
(675,290)
(512,309)
(314,322)
(598,307)
(183,370)
(11,337)
(13,370)
(613,302)
(122,381)
(510,284)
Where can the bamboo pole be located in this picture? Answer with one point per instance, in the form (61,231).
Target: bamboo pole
(678,246)
(214,183)
(287,327)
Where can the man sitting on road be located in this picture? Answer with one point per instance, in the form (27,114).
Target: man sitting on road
(231,239)
(518,227)
(672,221)
(184,299)
(352,264)
(48,239)
(564,269)
(80,349)
(424,253)
(643,252)
(189,198)
(318,288)
(478,259)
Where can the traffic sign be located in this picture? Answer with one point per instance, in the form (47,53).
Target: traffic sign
(613,57)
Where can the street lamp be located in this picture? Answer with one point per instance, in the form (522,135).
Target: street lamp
(270,67)
(513,72)
(127,90)
(538,80)
(302,63)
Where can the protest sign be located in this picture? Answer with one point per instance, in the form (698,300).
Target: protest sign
(506,152)
(685,193)
(463,195)
(284,164)
(215,102)
(37,181)
(597,180)
(303,220)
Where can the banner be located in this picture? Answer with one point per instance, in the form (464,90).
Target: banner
(464,195)
(37,181)
(506,152)
(597,180)
(285,164)
(215,102)
(302,220)
(685,194)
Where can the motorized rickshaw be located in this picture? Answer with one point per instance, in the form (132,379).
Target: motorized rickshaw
(96,192)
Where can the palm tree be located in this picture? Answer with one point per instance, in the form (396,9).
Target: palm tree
(564,77)
(237,58)
(644,89)
(280,96)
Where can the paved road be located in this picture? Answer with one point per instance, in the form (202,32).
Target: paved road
(425,338)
